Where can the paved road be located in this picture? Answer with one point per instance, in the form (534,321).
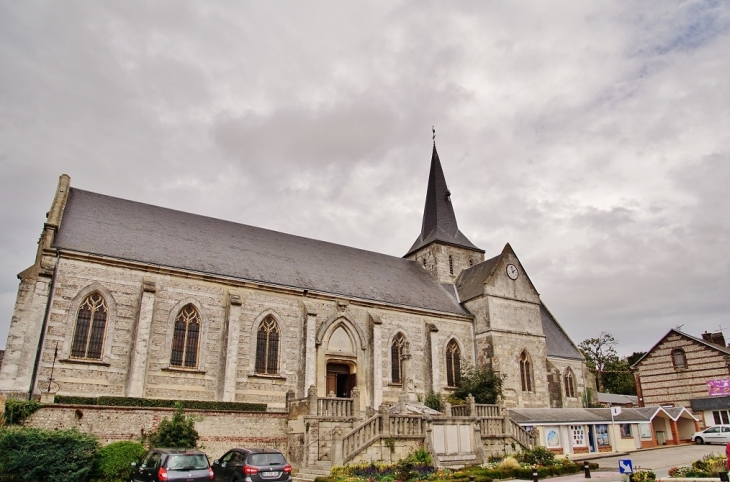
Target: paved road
(658,460)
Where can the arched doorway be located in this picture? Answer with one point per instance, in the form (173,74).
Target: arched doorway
(341,379)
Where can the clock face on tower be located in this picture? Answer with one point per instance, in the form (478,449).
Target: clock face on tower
(512,271)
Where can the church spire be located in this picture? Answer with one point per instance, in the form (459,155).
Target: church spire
(439,220)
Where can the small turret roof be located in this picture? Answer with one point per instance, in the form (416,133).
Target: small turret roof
(439,220)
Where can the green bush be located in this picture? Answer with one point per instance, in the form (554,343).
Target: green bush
(16,411)
(114,460)
(162,403)
(433,401)
(33,455)
(178,433)
(537,456)
(482,383)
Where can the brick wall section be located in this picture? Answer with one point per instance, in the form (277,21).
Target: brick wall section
(112,424)
(663,384)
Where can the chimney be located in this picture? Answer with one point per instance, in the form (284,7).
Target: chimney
(714,338)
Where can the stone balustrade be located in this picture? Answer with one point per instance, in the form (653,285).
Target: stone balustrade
(334,407)
(409,425)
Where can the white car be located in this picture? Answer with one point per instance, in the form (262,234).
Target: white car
(717,434)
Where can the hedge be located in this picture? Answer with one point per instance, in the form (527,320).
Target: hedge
(32,455)
(159,403)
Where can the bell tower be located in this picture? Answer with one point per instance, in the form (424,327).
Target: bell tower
(441,248)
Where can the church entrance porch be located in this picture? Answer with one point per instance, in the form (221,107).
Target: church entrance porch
(341,379)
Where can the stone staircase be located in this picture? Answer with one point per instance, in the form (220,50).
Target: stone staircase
(335,432)
(308,474)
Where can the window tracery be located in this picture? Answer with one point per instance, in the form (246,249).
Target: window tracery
(453,363)
(569,383)
(88,340)
(396,351)
(525,372)
(185,338)
(267,347)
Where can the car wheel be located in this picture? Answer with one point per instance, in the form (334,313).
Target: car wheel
(699,441)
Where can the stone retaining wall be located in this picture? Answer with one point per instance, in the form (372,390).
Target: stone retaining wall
(219,430)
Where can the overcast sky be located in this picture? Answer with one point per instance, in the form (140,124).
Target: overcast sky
(594,137)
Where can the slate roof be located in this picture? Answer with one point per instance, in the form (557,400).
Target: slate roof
(127,230)
(616,399)
(574,415)
(439,220)
(558,343)
(470,282)
(712,403)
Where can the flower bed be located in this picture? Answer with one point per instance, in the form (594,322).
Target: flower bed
(417,467)
(710,465)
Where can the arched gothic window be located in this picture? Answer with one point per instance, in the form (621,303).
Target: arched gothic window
(396,350)
(90,328)
(569,383)
(267,347)
(678,358)
(525,372)
(453,363)
(185,338)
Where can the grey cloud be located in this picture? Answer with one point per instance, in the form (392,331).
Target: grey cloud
(591,137)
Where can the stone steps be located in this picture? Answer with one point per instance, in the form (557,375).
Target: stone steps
(308,474)
(457,461)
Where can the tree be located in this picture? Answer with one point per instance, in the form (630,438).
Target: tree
(178,433)
(618,378)
(598,353)
(634,357)
(483,384)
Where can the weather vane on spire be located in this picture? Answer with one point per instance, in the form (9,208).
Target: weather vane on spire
(434,134)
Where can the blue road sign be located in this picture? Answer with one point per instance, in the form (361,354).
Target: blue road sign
(625,467)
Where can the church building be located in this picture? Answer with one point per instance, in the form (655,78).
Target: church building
(133,300)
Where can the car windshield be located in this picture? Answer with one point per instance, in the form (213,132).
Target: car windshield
(187,462)
(266,459)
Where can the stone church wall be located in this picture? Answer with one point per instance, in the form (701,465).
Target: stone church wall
(505,349)
(113,424)
(556,368)
(125,287)
(434,258)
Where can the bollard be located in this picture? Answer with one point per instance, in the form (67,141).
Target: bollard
(471,478)
(534,474)
(587,469)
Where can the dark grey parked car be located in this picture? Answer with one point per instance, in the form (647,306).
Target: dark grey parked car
(161,465)
(252,465)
